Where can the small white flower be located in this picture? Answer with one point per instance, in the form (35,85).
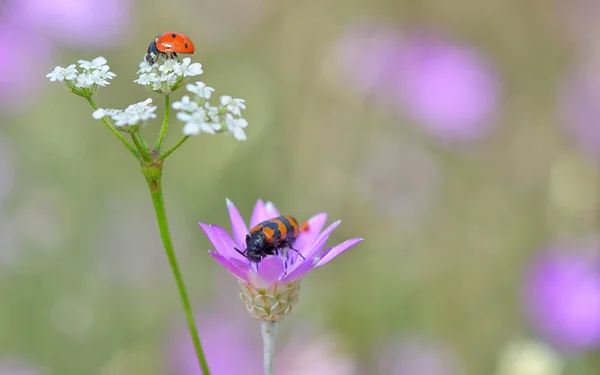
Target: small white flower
(196,123)
(167,75)
(145,67)
(187,69)
(236,127)
(200,89)
(96,63)
(84,81)
(94,74)
(186,104)
(132,115)
(146,78)
(58,74)
(212,113)
(70,72)
(233,105)
(168,66)
(99,113)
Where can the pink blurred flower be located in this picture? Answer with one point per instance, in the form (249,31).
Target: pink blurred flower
(580,111)
(282,268)
(562,296)
(80,23)
(448,88)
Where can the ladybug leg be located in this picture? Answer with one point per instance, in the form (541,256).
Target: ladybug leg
(289,245)
(241,252)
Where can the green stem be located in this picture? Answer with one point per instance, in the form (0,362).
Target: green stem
(116,132)
(153,174)
(163,128)
(140,144)
(175,147)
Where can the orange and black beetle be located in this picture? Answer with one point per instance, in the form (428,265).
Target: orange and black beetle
(268,237)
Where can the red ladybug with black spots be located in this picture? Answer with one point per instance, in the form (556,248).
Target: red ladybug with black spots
(168,45)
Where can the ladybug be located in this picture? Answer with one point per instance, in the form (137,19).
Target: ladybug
(168,45)
(268,237)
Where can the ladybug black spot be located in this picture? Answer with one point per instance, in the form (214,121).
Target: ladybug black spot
(174,36)
(186,46)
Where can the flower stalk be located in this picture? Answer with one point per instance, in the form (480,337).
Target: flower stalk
(199,116)
(153,174)
(115,132)
(268,330)
(165,124)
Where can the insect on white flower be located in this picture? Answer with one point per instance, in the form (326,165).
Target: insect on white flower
(132,115)
(166,77)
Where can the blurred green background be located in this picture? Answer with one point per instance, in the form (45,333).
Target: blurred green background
(85,287)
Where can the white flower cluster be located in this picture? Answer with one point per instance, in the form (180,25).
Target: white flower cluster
(85,80)
(131,116)
(201,117)
(166,77)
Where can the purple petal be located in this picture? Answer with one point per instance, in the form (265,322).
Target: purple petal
(221,241)
(271,268)
(337,250)
(320,242)
(259,213)
(238,226)
(300,270)
(230,267)
(307,239)
(271,210)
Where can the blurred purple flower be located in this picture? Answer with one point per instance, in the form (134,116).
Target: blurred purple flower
(580,111)
(230,347)
(562,296)
(80,23)
(20,68)
(448,88)
(281,268)
(412,356)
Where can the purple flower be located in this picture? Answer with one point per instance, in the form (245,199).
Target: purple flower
(562,296)
(230,347)
(276,276)
(81,23)
(448,88)
(20,70)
